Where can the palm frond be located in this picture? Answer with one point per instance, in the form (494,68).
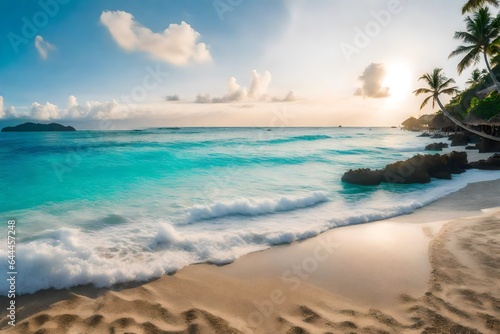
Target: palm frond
(423,91)
(482,35)
(438,84)
(446,82)
(472,58)
(463,49)
(422,106)
(450,91)
(476,77)
(467,37)
(472,5)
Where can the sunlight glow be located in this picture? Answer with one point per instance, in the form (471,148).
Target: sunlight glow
(398,79)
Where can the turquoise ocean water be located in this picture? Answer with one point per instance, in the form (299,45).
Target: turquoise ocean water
(105,207)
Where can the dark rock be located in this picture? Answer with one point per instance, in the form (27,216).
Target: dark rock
(418,169)
(457,162)
(416,176)
(425,134)
(471,147)
(436,146)
(488,146)
(36,127)
(474,139)
(437,166)
(413,170)
(365,176)
(442,175)
(492,163)
(459,139)
(438,136)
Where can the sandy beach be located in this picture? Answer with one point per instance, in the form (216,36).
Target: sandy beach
(250,167)
(433,271)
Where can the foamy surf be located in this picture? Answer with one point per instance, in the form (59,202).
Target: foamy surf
(254,207)
(138,215)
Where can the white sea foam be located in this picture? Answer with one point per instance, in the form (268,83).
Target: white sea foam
(167,234)
(67,257)
(254,207)
(130,223)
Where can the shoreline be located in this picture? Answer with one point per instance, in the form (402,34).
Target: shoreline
(366,262)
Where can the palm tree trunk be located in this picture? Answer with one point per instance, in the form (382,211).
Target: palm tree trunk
(492,75)
(463,126)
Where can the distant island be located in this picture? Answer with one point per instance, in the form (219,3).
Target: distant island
(36,127)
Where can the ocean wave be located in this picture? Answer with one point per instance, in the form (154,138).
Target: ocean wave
(410,149)
(347,151)
(73,260)
(68,257)
(296,138)
(130,221)
(251,207)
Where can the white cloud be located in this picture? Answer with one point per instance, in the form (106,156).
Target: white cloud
(90,110)
(177,45)
(119,110)
(6,112)
(304,112)
(203,98)
(95,109)
(288,98)
(372,79)
(44,111)
(2,107)
(43,47)
(235,93)
(259,85)
(172,98)
(257,91)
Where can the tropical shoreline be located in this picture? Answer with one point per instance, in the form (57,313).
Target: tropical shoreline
(199,296)
(240,167)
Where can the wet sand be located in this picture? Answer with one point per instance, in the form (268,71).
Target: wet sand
(433,271)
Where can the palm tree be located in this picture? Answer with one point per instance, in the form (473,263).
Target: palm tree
(495,60)
(482,37)
(476,78)
(472,5)
(439,84)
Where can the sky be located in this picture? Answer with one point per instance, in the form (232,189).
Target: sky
(110,64)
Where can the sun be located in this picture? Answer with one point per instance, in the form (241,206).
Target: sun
(398,79)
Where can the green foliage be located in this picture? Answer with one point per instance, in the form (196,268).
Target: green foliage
(472,5)
(474,102)
(487,79)
(455,101)
(480,38)
(461,102)
(486,108)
